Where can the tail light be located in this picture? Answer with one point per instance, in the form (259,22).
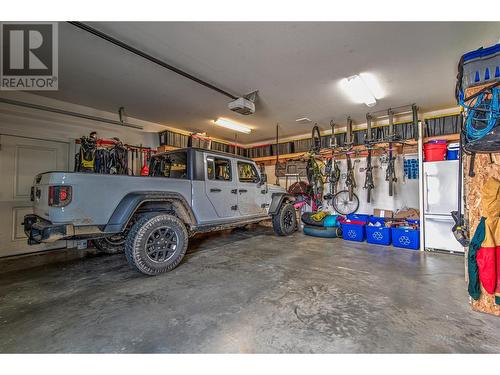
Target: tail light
(59,196)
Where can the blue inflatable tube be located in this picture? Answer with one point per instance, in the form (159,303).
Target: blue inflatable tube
(324,232)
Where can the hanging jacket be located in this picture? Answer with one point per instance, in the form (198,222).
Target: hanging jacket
(472,267)
(488,255)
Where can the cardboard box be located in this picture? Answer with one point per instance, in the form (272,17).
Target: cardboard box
(383,213)
(410,213)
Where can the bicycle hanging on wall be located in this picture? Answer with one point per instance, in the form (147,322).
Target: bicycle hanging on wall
(369,184)
(314,168)
(392,139)
(346,202)
(332,169)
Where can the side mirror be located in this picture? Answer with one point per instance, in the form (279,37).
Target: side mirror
(263,179)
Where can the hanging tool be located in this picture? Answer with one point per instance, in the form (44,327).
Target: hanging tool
(471,164)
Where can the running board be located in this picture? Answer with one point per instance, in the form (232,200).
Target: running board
(204,228)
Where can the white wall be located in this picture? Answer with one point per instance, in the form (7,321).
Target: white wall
(33,123)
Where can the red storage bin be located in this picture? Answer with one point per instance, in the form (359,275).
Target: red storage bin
(435,150)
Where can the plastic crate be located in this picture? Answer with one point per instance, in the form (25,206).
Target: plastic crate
(378,235)
(359,217)
(406,238)
(353,232)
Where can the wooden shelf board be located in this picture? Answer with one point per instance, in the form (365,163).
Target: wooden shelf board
(166,148)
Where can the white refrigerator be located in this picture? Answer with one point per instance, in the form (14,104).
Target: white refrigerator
(440,198)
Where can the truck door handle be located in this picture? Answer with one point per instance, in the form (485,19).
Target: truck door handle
(234,191)
(215,190)
(243,190)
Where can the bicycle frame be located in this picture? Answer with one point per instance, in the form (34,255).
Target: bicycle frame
(369,184)
(314,174)
(332,169)
(390,173)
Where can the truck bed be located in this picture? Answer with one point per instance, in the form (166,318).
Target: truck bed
(95,196)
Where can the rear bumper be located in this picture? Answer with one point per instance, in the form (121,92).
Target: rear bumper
(39,230)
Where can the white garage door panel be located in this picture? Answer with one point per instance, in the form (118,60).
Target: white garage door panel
(30,160)
(21,159)
(17,218)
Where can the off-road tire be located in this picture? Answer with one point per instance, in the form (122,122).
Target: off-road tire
(285,220)
(111,245)
(144,230)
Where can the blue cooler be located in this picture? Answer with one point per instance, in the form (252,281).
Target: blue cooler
(406,238)
(378,235)
(453,151)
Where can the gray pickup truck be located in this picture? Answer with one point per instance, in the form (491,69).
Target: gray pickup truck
(150,218)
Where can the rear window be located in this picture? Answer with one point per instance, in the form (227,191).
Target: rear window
(171,165)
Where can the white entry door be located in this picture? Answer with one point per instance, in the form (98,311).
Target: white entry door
(21,159)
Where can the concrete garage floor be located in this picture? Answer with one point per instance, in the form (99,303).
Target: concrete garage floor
(251,292)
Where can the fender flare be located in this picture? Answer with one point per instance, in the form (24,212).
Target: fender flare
(131,202)
(277,200)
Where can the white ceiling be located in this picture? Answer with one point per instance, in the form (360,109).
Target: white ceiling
(295,66)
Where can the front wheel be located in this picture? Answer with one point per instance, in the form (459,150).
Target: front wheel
(285,221)
(156,244)
(345,202)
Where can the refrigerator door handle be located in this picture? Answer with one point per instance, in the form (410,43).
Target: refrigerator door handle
(439,217)
(426,192)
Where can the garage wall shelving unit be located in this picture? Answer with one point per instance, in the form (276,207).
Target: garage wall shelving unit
(438,127)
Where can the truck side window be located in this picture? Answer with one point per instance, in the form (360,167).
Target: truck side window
(247,172)
(210,168)
(171,165)
(218,169)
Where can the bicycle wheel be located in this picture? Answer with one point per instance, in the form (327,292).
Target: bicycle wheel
(369,194)
(343,205)
(391,187)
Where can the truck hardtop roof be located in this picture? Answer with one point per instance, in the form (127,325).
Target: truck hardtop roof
(196,149)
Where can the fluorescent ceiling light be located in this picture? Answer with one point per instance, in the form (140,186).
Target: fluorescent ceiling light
(362,88)
(303,120)
(228,124)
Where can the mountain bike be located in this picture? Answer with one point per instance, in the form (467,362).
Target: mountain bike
(314,168)
(346,201)
(332,169)
(369,184)
(390,172)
